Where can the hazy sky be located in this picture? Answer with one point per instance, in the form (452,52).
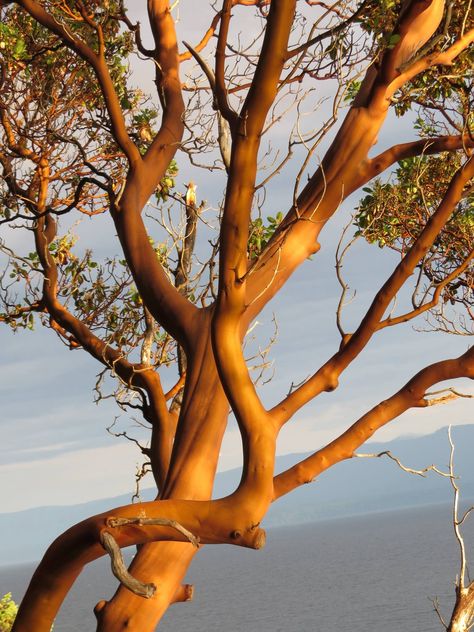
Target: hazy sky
(55,449)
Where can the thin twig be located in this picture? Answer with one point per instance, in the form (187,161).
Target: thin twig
(410,470)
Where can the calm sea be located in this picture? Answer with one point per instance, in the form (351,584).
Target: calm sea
(362,574)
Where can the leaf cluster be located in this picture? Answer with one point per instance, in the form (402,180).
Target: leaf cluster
(393,213)
(8,610)
(260,233)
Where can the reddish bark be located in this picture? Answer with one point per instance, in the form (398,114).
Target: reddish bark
(185,448)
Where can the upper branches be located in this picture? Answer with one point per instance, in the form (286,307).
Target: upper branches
(97,60)
(234,233)
(80,124)
(326,378)
(167,140)
(346,165)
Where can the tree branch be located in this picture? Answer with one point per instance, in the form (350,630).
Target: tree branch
(170,308)
(204,40)
(326,378)
(343,447)
(167,140)
(120,570)
(443,58)
(322,36)
(421,309)
(220,88)
(99,65)
(425,146)
(233,520)
(409,470)
(224,134)
(227,326)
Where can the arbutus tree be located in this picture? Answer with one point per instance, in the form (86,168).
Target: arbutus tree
(77,139)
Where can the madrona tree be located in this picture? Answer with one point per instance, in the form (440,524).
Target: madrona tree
(77,138)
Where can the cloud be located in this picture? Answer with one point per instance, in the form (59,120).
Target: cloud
(70,478)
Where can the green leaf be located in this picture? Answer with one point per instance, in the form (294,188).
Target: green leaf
(393,40)
(19,50)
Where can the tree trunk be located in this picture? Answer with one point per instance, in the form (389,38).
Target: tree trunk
(463,613)
(193,465)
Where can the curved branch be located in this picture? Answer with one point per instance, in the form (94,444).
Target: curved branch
(135,29)
(118,566)
(224,131)
(155,522)
(204,40)
(232,520)
(425,146)
(133,375)
(220,88)
(119,569)
(410,395)
(405,468)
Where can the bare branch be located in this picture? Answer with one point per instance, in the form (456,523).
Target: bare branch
(120,570)
(162,522)
(410,470)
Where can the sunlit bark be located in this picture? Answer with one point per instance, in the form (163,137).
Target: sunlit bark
(186,439)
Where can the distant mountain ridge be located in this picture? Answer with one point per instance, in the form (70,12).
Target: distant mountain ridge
(353,487)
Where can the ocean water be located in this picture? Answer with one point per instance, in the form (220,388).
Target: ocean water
(362,574)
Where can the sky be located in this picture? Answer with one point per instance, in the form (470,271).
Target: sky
(55,448)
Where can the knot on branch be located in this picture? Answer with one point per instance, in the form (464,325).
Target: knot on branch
(184,593)
(256,540)
(344,340)
(332,383)
(188,592)
(98,609)
(260,539)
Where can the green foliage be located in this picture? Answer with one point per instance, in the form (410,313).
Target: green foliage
(352,89)
(8,611)
(103,295)
(60,114)
(379,18)
(261,233)
(168,182)
(393,213)
(436,89)
(100,294)
(12,42)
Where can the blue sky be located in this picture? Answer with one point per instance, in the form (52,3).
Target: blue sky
(55,449)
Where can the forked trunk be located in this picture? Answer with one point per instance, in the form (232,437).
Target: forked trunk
(199,435)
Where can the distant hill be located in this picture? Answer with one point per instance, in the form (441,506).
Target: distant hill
(353,487)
